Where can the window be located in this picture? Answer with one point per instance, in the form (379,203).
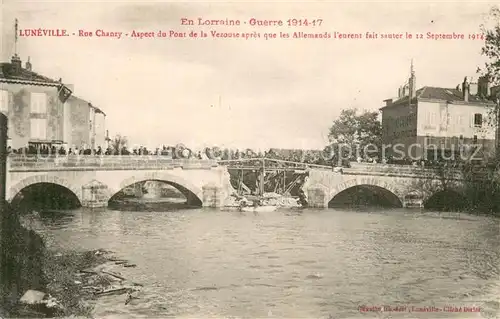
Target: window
(38,129)
(4,101)
(478,120)
(475,139)
(38,103)
(432,118)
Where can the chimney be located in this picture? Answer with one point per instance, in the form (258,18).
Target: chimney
(495,90)
(388,102)
(465,90)
(473,89)
(484,88)
(16,64)
(28,65)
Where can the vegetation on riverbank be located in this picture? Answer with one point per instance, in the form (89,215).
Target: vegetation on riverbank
(63,285)
(462,186)
(37,282)
(22,258)
(74,280)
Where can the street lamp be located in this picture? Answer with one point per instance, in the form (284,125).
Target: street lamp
(3,161)
(497,119)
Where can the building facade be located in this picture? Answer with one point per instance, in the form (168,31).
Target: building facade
(98,128)
(433,122)
(87,123)
(39,111)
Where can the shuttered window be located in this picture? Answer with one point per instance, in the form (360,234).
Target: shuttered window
(38,129)
(38,103)
(478,120)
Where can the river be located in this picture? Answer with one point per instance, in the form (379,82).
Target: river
(292,264)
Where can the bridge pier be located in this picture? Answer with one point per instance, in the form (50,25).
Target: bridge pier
(213,196)
(318,196)
(95,195)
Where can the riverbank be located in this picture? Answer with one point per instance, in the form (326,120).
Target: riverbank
(75,280)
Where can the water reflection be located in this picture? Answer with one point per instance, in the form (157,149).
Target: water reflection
(200,263)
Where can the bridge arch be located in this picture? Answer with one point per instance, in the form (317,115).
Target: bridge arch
(45,178)
(186,187)
(455,196)
(379,186)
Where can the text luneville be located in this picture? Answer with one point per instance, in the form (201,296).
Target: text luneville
(43,33)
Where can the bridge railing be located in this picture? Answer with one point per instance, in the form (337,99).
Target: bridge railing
(394,169)
(388,168)
(27,162)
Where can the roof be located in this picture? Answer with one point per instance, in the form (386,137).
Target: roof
(440,94)
(76,98)
(6,72)
(452,95)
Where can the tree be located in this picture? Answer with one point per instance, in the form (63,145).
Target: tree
(118,143)
(491,51)
(355,130)
(484,192)
(491,48)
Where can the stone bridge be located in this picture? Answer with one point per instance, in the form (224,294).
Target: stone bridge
(95,179)
(403,186)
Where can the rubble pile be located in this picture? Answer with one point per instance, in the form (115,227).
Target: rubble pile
(268,199)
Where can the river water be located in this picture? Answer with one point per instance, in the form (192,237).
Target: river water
(293,264)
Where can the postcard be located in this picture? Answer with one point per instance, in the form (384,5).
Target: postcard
(236,159)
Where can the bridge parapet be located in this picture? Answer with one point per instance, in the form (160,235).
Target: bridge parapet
(411,171)
(104,162)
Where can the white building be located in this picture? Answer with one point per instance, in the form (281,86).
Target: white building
(446,119)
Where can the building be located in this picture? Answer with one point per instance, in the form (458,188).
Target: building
(87,123)
(435,122)
(39,111)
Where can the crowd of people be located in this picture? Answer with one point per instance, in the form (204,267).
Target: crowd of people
(178,151)
(281,156)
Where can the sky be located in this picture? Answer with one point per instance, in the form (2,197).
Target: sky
(253,93)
